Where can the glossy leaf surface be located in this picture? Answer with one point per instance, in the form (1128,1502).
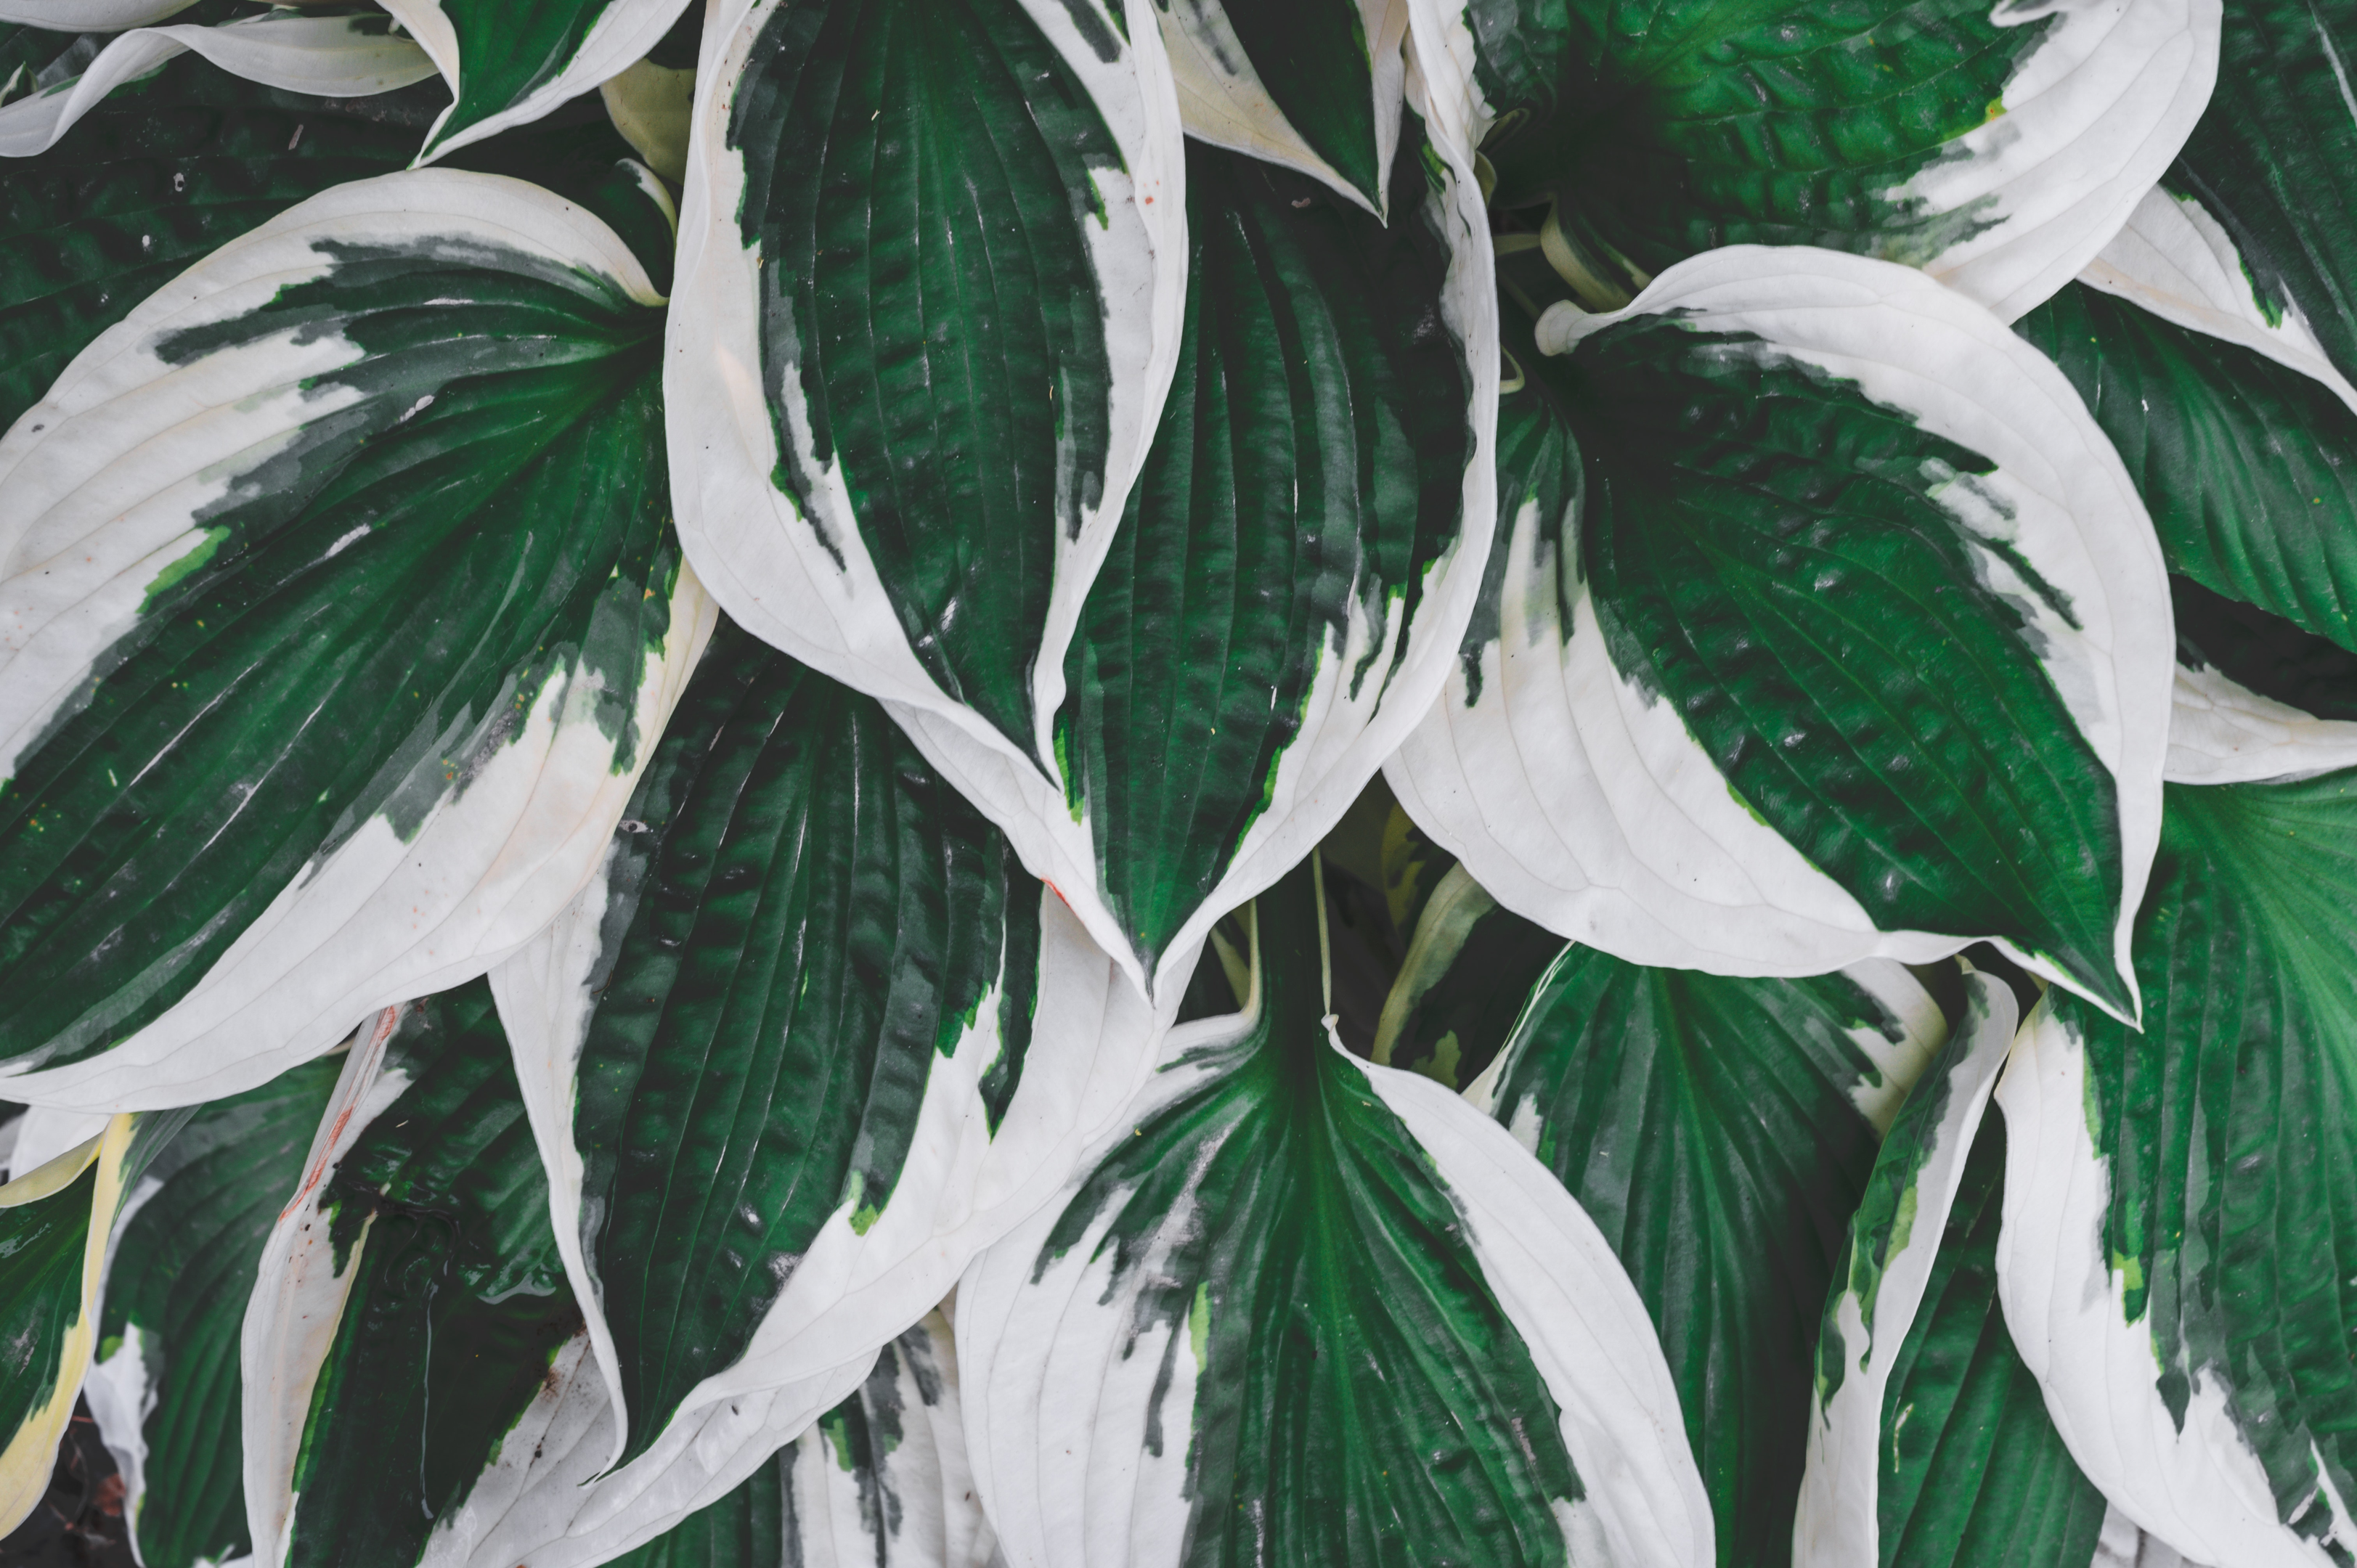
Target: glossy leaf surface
(1719,1132)
(1314,87)
(781,1046)
(455,1303)
(1997,146)
(1928,1442)
(879,1481)
(410,1311)
(54,1221)
(351,56)
(2178,1291)
(166,1387)
(2274,163)
(1287,585)
(1715,718)
(1469,969)
(2243,462)
(157,176)
(509,63)
(1248,1332)
(338,689)
(938,386)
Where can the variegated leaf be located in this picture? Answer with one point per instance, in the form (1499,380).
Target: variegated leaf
(1998,145)
(1288,587)
(2172,1261)
(907,412)
(1713,711)
(810,1041)
(338,618)
(1314,86)
(507,65)
(1248,1333)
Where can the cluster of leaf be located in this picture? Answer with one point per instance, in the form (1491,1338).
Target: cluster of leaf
(667,678)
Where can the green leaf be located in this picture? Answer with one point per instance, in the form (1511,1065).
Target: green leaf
(336,57)
(54,1221)
(339,688)
(1289,585)
(1975,1472)
(1719,1132)
(1306,1310)
(1495,66)
(1998,145)
(2179,1286)
(784,1043)
(1314,87)
(162,173)
(1469,969)
(2239,457)
(166,1388)
(1929,1444)
(940,390)
(879,1481)
(1848,643)
(455,1305)
(509,63)
(2275,163)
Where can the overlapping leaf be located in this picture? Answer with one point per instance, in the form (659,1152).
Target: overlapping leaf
(54,1223)
(2241,459)
(166,1387)
(1250,1332)
(811,1040)
(1998,145)
(342,608)
(419,1386)
(1719,1133)
(1826,625)
(163,171)
(931,264)
(508,64)
(2178,1205)
(2257,697)
(1468,970)
(879,1481)
(1929,1444)
(1314,87)
(1288,586)
(330,55)
(2273,166)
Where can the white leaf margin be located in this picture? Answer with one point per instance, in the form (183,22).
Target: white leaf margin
(2221,731)
(2090,118)
(931,1517)
(624,31)
(770,566)
(1055,1419)
(1583,805)
(2195,1484)
(100,486)
(328,57)
(961,1187)
(1344,738)
(29,1453)
(69,16)
(1223,101)
(548,1493)
(1837,1524)
(2177,261)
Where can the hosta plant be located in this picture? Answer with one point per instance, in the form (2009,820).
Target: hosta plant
(1090,782)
